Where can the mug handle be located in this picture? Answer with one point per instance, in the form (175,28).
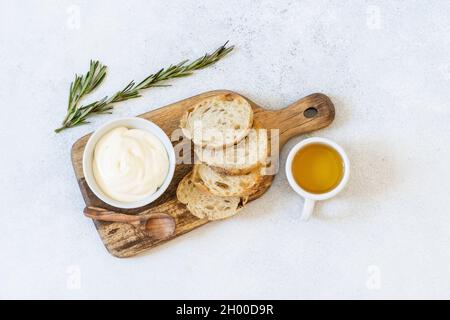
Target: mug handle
(308,208)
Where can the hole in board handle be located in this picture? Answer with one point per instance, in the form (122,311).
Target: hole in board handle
(310,112)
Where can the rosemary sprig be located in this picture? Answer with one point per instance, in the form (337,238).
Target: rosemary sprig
(79,115)
(82,86)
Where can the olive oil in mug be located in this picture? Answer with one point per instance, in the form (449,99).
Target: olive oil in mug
(317,168)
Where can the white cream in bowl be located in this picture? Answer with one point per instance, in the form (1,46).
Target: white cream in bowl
(129,164)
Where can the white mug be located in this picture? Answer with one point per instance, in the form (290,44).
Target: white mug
(311,198)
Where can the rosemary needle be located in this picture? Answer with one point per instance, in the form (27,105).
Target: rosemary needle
(83,85)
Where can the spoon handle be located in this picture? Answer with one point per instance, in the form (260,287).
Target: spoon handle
(111,216)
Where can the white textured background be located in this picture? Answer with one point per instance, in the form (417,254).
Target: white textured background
(385,64)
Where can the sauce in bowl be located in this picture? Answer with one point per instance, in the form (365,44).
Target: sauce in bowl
(129,164)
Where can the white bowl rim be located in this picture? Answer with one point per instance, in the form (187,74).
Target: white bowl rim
(127,122)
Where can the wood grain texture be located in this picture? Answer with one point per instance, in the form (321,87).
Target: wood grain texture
(124,240)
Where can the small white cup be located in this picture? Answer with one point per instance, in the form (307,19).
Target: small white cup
(311,198)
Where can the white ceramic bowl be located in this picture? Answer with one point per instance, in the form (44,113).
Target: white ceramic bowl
(132,123)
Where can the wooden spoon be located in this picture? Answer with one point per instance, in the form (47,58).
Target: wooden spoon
(159,225)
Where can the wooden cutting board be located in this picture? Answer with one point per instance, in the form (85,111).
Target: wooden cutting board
(311,113)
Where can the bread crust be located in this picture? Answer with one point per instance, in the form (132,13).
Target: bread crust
(226,161)
(226,100)
(209,181)
(205,206)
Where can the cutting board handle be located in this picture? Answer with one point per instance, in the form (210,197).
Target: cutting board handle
(311,113)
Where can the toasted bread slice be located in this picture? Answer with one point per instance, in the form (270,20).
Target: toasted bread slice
(185,189)
(219,121)
(239,159)
(206,206)
(210,181)
(258,190)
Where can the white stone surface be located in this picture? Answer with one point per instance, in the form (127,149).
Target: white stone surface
(385,64)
